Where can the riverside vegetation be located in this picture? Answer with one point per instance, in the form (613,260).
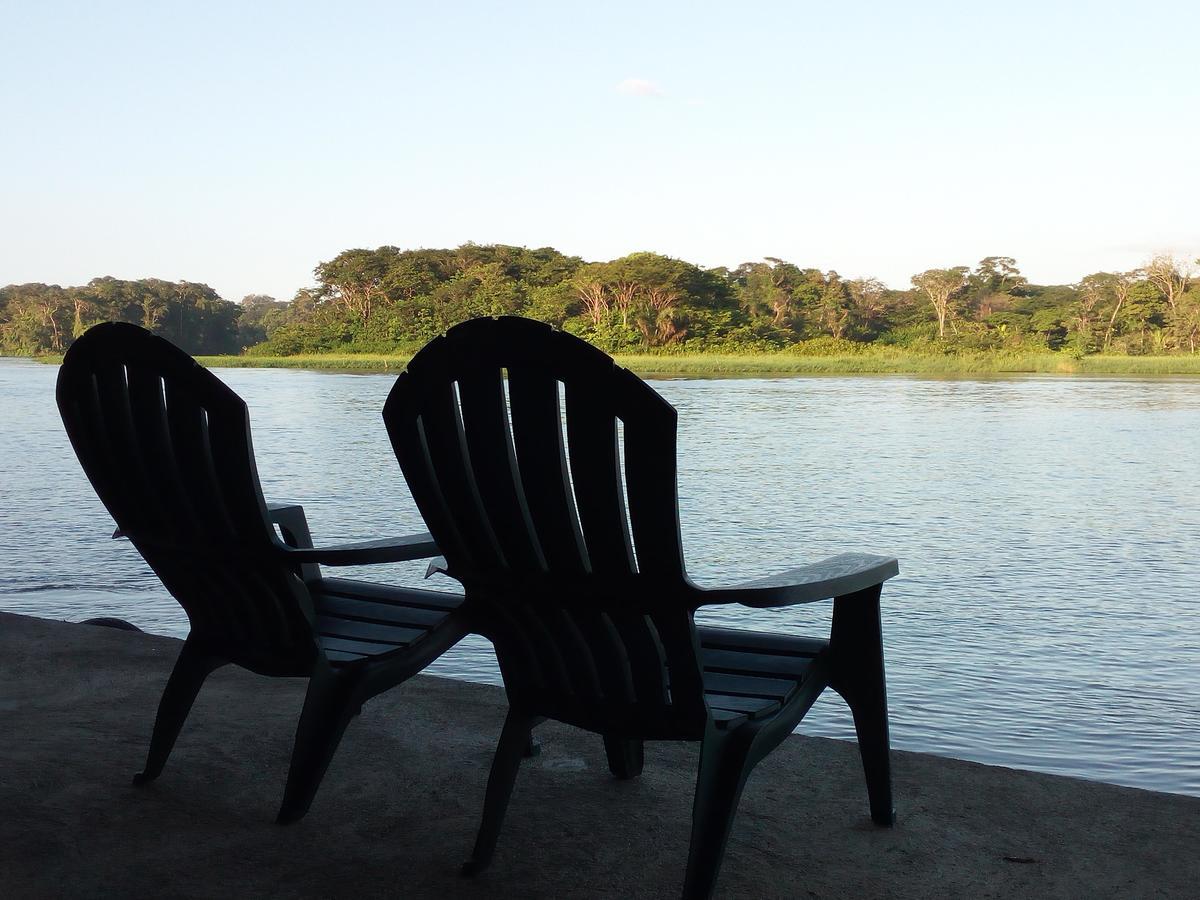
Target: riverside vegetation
(370,309)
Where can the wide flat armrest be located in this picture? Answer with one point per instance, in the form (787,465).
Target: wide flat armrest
(836,576)
(386,550)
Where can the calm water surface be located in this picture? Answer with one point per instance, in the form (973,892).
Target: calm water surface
(1046,616)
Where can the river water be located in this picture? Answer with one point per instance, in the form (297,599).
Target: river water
(1046,615)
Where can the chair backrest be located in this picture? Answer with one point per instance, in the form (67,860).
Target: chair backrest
(567,540)
(167,447)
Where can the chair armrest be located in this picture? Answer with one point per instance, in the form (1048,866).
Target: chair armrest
(289,518)
(385,550)
(836,576)
(437,566)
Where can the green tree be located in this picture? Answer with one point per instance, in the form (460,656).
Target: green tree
(1119,284)
(869,299)
(354,280)
(1142,318)
(835,306)
(37,318)
(1096,294)
(261,317)
(992,285)
(1172,278)
(941,287)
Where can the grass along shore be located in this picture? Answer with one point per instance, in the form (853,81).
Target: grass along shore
(767,365)
(714,365)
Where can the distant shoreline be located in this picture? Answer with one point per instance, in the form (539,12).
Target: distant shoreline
(712,365)
(768,365)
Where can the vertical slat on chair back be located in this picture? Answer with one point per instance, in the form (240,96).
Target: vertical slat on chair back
(167,447)
(510,437)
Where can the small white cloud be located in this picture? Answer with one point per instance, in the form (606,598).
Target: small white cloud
(639,87)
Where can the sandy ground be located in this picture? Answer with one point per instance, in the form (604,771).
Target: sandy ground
(398,810)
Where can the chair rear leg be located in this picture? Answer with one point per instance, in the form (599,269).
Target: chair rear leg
(856,645)
(509,752)
(191,668)
(328,709)
(724,766)
(626,756)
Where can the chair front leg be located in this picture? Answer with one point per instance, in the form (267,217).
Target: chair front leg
(329,706)
(856,657)
(191,668)
(725,764)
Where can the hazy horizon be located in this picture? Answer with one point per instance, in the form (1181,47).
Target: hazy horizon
(240,147)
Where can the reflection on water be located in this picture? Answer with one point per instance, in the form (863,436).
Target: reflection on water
(1045,616)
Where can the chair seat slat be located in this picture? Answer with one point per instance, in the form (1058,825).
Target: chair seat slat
(755,707)
(766,665)
(760,642)
(749,685)
(388,594)
(378,613)
(398,636)
(338,658)
(353,645)
(383,602)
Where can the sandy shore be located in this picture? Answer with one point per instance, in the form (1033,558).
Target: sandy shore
(398,810)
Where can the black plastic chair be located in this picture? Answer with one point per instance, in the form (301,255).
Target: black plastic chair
(584,593)
(167,447)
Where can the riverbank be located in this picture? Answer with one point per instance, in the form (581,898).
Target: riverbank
(712,365)
(399,807)
(768,365)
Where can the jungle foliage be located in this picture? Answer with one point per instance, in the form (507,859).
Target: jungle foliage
(389,300)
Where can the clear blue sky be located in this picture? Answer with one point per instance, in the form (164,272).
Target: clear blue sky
(239,144)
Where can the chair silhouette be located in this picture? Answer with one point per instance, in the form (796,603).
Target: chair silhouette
(568,545)
(167,447)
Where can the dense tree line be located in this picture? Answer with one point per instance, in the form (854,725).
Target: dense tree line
(388,299)
(41,318)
